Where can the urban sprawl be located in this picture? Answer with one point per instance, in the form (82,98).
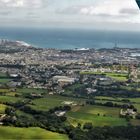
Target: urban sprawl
(69,91)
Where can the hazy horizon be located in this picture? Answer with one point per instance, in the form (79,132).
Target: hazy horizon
(87,14)
(66,38)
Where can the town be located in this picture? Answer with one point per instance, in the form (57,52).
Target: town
(62,90)
(37,67)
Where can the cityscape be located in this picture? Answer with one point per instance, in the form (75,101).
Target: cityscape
(69,70)
(62,83)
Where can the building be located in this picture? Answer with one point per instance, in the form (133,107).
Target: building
(63,80)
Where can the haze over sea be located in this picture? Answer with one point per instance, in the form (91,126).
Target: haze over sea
(72,38)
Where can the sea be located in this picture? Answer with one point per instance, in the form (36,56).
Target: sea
(72,38)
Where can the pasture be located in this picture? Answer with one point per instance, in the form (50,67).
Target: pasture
(9,99)
(134,101)
(2,108)
(52,101)
(79,117)
(101,110)
(116,76)
(4,78)
(98,115)
(113,75)
(29,133)
(31,90)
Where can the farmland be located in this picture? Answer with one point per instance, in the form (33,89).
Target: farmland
(29,133)
(84,109)
(52,101)
(4,78)
(10,99)
(2,108)
(115,76)
(31,90)
(101,110)
(98,115)
(96,120)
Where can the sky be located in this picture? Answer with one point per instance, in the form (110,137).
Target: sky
(102,14)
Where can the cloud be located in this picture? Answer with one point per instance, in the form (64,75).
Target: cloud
(5,13)
(69,11)
(21,3)
(115,11)
(129,11)
(104,7)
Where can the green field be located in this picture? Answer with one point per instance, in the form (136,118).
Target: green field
(80,112)
(4,90)
(4,80)
(50,102)
(115,76)
(134,101)
(2,108)
(79,117)
(10,99)
(21,113)
(31,90)
(28,133)
(118,77)
(102,110)
(98,115)
(45,103)
(8,92)
(106,98)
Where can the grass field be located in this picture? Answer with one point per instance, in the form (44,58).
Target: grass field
(22,91)
(10,99)
(115,76)
(98,115)
(7,92)
(105,98)
(2,108)
(21,113)
(51,102)
(13,133)
(45,104)
(107,115)
(79,117)
(4,90)
(134,101)
(4,80)
(102,110)
(31,90)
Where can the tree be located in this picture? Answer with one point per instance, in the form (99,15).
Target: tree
(138,116)
(10,111)
(79,125)
(87,126)
(110,104)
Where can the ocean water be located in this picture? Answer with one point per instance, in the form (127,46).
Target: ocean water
(72,38)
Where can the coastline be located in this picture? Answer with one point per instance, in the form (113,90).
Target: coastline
(71,39)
